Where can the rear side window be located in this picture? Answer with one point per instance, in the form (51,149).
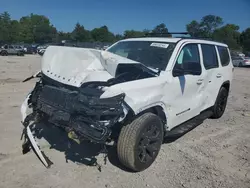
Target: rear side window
(224,56)
(209,56)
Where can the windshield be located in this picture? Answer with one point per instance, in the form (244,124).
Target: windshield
(152,54)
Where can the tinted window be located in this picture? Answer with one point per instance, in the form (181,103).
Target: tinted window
(189,60)
(11,47)
(209,56)
(224,56)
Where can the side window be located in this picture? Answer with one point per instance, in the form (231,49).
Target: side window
(209,56)
(188,61)
(11,47)
(224,56)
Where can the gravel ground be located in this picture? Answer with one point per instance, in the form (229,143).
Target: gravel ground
(214,154)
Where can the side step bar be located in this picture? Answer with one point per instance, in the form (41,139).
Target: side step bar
(189,125)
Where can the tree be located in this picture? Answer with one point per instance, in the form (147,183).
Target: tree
(161,29)
(204,28)
(245,40)
(5,22)
(36,28)
(118,37)
(209,24)
(133,34)
(194,29)
(63,36)
(228,34)
(80,34)
(26,30)
(102,34)
(14,31)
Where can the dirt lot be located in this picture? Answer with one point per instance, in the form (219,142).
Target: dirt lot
(214,154)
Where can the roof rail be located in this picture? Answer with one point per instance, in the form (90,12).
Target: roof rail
(166,34)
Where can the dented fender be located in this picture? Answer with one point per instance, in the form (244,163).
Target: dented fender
(140,94)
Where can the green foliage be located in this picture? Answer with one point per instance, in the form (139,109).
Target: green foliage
(212,27)
(204,28)
(228,34)
(102,34)
(38,29)
(80,34)
(245,40)
(5,24)
(209,24)
(161,29)
(133,34)
(194,29)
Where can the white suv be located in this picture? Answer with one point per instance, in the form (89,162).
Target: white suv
(135,93)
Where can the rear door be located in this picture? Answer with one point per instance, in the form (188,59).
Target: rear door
(213,76)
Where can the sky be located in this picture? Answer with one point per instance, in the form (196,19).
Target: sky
(120,15)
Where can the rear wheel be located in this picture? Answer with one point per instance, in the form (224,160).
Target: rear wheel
(139,142)
(220,104)
(20,53)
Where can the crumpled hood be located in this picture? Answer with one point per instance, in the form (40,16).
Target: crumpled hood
(74,66)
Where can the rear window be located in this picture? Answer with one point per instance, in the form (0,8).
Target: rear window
(224,56)
(209,56)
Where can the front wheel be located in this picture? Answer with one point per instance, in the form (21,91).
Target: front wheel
(220,104)
(139,142)
(4,53)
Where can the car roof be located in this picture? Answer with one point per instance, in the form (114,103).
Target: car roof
(175,40)
(156,39)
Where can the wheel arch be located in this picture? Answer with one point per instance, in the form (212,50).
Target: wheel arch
(226,85)
(157,110)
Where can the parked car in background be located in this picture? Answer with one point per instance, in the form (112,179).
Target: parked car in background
(239,61)
(19,48)
(10,50)
(31,49)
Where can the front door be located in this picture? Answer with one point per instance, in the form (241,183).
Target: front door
(187,86)
(12,50)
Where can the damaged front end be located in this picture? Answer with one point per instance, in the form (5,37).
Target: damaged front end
(70,96)
(78,110)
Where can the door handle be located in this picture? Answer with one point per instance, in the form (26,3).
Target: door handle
(218,75)
(200,81)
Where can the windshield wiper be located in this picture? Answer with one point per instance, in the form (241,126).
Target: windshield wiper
(151,70)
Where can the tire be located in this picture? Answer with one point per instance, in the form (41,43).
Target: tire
(4,53)
(140,141)
(220,104)
(20,54)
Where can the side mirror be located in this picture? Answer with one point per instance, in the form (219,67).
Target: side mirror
(178,72)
